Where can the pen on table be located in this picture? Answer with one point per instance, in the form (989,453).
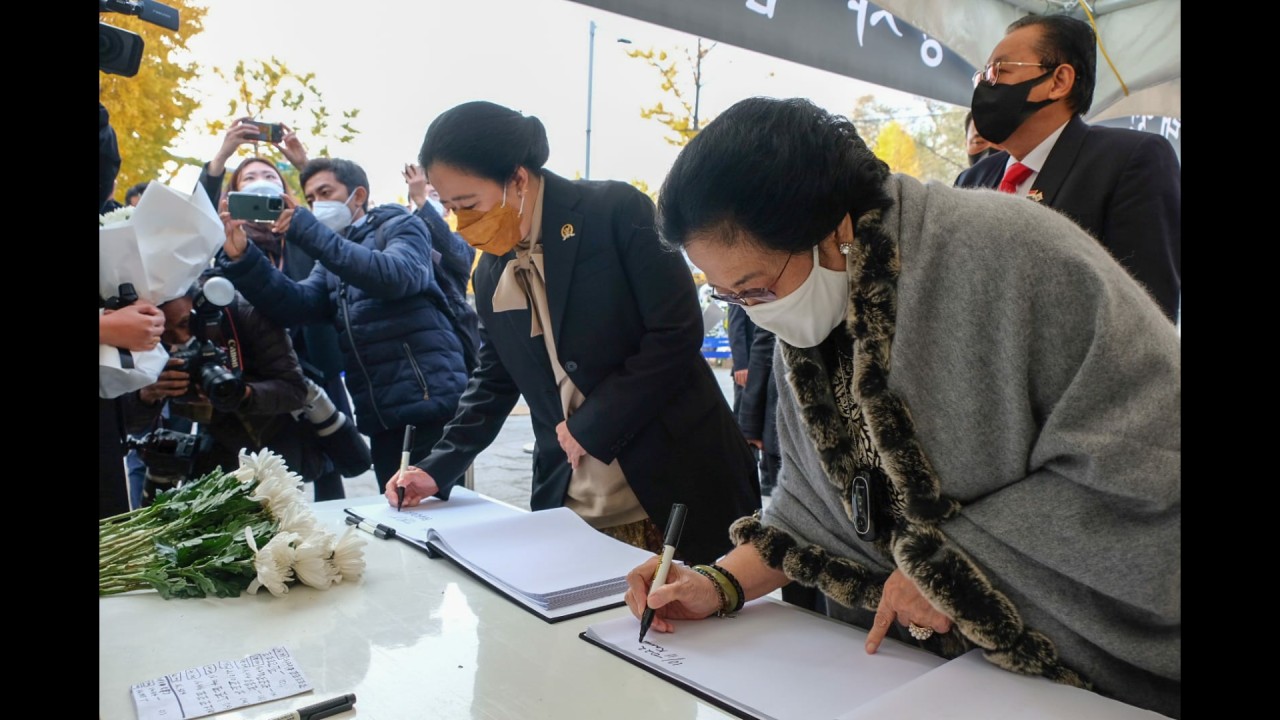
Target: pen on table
(675,523)
(320,709)
(404,464)
(378,530)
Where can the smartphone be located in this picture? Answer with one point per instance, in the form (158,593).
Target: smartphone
(268,132)
(257,208)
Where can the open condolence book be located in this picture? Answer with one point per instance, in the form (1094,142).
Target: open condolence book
(774,661)
(550,561)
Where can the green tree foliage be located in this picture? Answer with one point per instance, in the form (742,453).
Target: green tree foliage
(937,133)
(683,117)
(271,91)
(149,110)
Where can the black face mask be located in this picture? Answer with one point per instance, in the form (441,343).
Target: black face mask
(999,110)
(981,155)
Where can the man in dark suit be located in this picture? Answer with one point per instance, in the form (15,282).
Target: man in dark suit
(755,394)
(1123,186)
(741,330)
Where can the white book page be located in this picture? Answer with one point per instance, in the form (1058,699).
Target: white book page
(772,660)
(970,688)
(464,507)
(542,554)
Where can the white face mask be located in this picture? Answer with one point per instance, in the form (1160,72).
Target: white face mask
(262,187)
(808,315)
(333,214)
(437,205)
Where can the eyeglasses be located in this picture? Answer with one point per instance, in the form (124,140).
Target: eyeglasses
(990,72)
(754,295)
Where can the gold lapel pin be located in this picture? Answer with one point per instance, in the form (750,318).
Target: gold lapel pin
(566,231)
(1036,195)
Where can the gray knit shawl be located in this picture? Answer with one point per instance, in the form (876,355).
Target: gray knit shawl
(1023,393)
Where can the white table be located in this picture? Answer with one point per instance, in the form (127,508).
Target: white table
(416,638)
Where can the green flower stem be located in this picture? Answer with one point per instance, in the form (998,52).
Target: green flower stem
(124,584)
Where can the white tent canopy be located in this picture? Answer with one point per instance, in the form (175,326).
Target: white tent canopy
(1143,39)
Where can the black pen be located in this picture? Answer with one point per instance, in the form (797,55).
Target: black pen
(404,464)
(675,523)
(378,530)
(320,709)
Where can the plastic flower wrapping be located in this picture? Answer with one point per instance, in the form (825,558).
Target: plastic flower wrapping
(159,247)
(225,533)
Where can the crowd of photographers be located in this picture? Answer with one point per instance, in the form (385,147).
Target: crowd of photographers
(300,296)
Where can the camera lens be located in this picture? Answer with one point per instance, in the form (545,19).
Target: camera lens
(224,389)
(275,204)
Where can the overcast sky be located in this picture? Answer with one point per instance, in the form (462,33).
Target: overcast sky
(402,63)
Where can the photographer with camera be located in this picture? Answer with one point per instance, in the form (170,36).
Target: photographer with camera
(335,455)
(134,327)
(233,372)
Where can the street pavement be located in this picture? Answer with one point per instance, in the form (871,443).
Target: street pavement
(504,470)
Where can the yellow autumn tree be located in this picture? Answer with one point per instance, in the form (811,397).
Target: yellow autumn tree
(682,118)
(149,110)
(937,129)
(895,146)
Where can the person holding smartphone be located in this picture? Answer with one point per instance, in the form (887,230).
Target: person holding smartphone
(377,284)
(245,130)
(316,345)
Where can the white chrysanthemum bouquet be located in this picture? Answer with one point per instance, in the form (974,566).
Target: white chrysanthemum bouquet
(119,216)
(225,533)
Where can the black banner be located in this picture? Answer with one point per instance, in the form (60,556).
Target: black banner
(854,38)
(1170,128)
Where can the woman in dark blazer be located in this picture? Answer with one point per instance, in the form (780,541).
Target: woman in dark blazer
(587,316)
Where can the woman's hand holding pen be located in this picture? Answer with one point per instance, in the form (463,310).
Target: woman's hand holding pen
(417,484)
(687,595)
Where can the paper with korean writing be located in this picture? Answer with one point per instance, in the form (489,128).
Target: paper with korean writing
(220,686)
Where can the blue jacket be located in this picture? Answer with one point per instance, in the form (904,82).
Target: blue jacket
(404,362)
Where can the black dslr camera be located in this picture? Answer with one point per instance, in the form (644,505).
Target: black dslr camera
(169,457)
(206,363)
(169,453)
(214,365)
(120,51)
(126,296)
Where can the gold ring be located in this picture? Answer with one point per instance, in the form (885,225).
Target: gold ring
(919,633)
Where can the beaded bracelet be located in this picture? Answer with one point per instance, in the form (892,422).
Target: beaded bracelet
(742,596)
(730,598)
(704,571)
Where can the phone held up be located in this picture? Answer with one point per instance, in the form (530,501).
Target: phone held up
(254,207)
(268,132)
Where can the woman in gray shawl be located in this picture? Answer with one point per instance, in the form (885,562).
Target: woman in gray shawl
(978,410)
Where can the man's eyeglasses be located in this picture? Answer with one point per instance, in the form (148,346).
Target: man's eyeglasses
(753,296)
(990,73)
